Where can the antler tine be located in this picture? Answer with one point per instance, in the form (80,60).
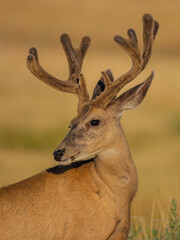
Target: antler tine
(74,56)
(131,47)
(156,27)
(75,59)
(84,93)
(150,28)
(139,62)
(100,86)
(35,68)
(106,78)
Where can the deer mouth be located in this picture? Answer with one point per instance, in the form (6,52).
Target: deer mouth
(69,159)
(76,158)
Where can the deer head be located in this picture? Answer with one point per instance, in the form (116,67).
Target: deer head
(96,128)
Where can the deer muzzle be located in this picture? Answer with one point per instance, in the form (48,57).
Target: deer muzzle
(58,154)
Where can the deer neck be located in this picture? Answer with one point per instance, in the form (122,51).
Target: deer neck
(115,167)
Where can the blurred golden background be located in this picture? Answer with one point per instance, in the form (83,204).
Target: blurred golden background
(34,117)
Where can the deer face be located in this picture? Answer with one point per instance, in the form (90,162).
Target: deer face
(88,137)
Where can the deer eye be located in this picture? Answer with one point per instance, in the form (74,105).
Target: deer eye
(94,122)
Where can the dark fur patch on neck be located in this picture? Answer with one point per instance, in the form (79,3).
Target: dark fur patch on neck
(59,169)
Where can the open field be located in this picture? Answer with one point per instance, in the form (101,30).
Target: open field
(34,117)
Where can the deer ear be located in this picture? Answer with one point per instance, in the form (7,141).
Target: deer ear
(133,97)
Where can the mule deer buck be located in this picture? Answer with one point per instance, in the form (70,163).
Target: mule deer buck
(89,197)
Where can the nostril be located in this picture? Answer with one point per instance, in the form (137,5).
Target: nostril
(61,152)
(58,154)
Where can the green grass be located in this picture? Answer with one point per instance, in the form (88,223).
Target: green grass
(158,228)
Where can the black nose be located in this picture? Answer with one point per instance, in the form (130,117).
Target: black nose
(58,154)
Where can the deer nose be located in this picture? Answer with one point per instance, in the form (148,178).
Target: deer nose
(58,154)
